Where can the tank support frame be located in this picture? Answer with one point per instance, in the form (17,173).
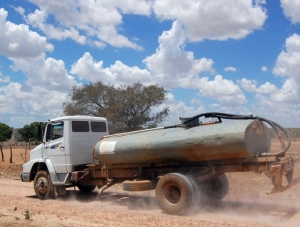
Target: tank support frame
(275,168)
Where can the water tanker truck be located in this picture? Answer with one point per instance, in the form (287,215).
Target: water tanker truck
(183,163)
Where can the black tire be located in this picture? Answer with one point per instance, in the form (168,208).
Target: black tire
(215,188)
(86,188)
(175,194)
(43,186)
(142,185)
(196,189)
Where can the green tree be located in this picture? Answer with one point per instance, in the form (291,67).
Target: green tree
(5,132)
(127,108)
(30,132)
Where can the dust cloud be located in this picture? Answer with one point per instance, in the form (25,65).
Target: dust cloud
(257,212)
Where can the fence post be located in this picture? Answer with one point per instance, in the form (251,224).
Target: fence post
(2,153)
(26,153)
(10,160)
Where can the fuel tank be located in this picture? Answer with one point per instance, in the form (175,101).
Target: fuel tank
(204,142)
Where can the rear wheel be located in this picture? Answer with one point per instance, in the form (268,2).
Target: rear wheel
(196,192)
(175,193)
(215,188)
(86,188)
(43,186)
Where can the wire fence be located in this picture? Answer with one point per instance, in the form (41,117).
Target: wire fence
(25,146)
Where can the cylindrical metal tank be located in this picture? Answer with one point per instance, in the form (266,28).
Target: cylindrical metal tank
(217,141)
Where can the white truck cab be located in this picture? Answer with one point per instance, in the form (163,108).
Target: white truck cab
(67,146)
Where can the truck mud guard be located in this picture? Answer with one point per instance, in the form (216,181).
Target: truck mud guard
(56,178)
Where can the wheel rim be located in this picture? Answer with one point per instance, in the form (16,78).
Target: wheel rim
(172,194)
(42,185)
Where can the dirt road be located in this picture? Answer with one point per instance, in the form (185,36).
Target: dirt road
(117,208)
(245,205)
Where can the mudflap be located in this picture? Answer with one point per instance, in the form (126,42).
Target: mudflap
(60,190)
(283,188)
(285,167)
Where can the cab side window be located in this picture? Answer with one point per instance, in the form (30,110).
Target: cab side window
(54,131)
(80,126)
(98,126)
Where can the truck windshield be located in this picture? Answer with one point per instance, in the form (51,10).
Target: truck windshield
(54,131)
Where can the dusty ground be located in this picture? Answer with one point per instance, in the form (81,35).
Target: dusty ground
(245,205)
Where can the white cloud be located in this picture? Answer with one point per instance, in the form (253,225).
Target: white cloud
(36,101)
(38,104)
(139,7)
(4,79)
(126,75)
(276,109)
(46,72)
(85,21)
(288,61)
(2,102)
(87,68)
(248,85)
(17,41)
(171,65)
(288,65)
(291,9)
(181,109)
(264,68)
(39,18)
(195,101)
(288,94)
(267,88)
(20,10)
(98,21)
(230,69)
(46,82)
(284,101)
(178,109)
(264,105)
(98,44)
(225,91)
(218,19)
(251,86)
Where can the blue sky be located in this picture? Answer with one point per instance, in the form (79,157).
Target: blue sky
(239,57)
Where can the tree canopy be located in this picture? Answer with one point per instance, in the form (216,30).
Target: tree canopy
(127,108)
(5,132)
(30,132)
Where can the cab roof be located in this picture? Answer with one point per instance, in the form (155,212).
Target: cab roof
(79,117)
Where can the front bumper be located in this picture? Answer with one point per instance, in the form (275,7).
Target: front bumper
(25,177)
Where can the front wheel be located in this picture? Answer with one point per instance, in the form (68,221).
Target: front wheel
(43,186)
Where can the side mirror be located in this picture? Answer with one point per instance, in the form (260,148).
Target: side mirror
(40,131)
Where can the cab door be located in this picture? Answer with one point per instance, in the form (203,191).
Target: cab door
(53,147)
